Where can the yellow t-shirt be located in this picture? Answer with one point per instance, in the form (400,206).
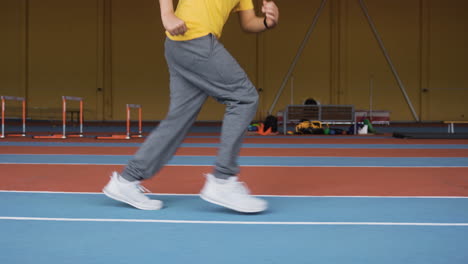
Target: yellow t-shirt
(203,17)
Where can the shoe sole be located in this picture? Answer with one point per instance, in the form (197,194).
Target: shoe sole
(241,210)
(118,198)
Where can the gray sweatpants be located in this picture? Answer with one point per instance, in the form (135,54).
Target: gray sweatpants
(198,68)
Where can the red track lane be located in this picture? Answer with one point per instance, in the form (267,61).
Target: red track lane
(331,140)
(274,140)
(245,151)
(261,180)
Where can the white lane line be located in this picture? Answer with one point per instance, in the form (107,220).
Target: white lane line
(262,166)
(226,222)
(260,195)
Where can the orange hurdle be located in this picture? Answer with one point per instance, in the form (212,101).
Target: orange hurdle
(13,98)
(128,135)
(64,119)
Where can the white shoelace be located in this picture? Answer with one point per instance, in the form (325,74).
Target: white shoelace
(237,186)
(138,186)
(142,188)
(240,187)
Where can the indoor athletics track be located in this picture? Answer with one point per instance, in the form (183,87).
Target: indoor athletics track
(333,199)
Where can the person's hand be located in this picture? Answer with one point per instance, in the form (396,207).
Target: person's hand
(174,25)
(271,12)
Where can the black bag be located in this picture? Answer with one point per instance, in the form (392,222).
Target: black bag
(310,101)
(271,121)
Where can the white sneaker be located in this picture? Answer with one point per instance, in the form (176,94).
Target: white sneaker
(232,194)
(131,193)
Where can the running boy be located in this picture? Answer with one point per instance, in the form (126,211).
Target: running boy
(199,67)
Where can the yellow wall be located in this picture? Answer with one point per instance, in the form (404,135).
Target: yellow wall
(397,22)
(111,53)
(446,60)
(12,48)
(62,52)
(312,75)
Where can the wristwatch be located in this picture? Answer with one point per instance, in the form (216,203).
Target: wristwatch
(265,23)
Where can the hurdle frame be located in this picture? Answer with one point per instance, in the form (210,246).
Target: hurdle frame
(64,119)
(64,115)
(140,126)
(3,102)
(128,134)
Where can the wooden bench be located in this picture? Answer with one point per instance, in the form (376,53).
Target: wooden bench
(328,114)
(451,125)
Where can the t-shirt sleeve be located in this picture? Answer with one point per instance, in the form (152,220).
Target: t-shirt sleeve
(244,5)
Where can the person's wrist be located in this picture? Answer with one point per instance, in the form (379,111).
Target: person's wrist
(166,14)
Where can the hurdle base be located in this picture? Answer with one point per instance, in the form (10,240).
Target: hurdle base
(16,135)
(114,137)
(120,137)
(75,136)
(12,135)
(60,136)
